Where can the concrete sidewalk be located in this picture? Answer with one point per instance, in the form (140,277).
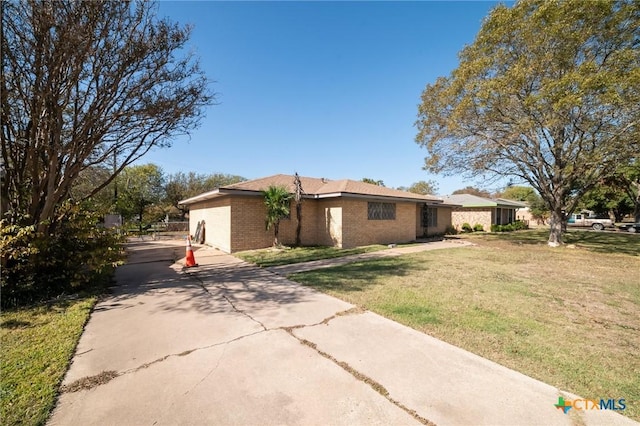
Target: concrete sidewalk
(229,343)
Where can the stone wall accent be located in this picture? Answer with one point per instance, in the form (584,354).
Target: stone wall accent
(472,215)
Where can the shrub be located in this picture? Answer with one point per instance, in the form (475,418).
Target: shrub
(466,227)
(519,225)
(38,267)
(514,226)
(450,230)
(478,227)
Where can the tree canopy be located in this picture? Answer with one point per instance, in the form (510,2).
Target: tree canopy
(517,193)
(84,84)
(548,92)
(473,191)
(373,181)
(180,186)
(423,187)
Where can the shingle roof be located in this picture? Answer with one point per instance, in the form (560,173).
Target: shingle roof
(315,188)
(469,200)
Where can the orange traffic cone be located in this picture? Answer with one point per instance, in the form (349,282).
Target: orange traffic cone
(191,260)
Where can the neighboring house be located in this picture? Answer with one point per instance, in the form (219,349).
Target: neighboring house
(485,211)
(342,213)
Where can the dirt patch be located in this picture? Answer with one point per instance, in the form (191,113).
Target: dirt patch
(90,382)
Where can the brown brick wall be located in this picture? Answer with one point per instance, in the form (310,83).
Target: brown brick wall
(238,223)
(327,223)
(358,230)
(248,224)
(444,220)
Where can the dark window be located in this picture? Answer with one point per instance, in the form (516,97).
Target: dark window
(382,211)
(432,217)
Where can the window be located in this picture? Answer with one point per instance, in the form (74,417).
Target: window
(382,211)
(432,217)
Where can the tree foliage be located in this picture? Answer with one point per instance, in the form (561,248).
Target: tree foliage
(37,267)
(142,186)
(82,82)
(517,193)
(548,92)
(180,186)
(373,181)
(277,199)
(424,187)
(473,191)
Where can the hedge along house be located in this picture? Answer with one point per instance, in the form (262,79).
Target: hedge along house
(473,210)
(341,213)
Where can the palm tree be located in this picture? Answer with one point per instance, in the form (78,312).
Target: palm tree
(277,199)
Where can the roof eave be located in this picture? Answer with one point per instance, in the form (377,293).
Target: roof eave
(377,197)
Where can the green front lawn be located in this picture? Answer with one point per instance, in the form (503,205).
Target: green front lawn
(287,255)
(568,316)
(37,345)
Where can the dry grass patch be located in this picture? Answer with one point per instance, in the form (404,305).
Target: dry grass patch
(568,317)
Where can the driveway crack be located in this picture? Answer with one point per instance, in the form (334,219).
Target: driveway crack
(90,382)
(379,388)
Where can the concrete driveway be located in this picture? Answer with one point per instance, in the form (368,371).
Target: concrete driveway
(229,343)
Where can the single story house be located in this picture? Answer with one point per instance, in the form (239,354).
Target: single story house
(474,210)
(341,213)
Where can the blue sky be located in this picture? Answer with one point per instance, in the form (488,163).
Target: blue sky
(327,89)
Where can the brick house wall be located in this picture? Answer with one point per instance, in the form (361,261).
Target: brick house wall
(472,216)
(328,222)
(237,223)
(442,222)
(358,230)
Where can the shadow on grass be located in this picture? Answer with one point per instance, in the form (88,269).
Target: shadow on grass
(600,242)
(605,242)
(269,257)
(357,276)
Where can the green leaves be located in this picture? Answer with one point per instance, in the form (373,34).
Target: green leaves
(548,92)
(277,200)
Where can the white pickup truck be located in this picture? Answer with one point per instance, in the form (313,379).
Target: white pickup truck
(588,221)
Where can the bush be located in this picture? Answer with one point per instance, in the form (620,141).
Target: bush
(38,267)
(450,230)
(514,226)
(478,227)
(466,227)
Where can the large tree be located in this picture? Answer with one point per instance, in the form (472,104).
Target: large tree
(142,186)
(549,92)
(84,83)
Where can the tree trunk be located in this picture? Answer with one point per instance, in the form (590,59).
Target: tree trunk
(636,202)
(555,234)
(276,227)
(299,225)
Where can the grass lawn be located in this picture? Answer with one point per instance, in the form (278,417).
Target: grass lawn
(285,256)
(37,345)
(568,316)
